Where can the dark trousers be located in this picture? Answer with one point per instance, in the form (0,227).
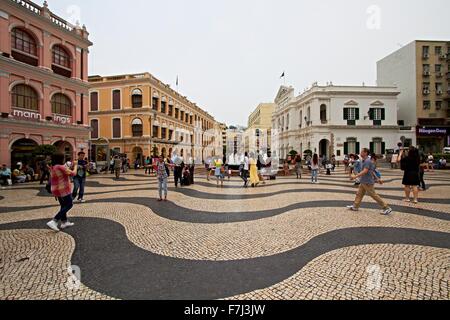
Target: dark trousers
(244,176)
(422,181)
(191,174)
(45,175)
(177,173)
(4,179)
(78,184)
(66,204)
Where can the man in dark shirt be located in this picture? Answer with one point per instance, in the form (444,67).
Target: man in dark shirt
(79,180)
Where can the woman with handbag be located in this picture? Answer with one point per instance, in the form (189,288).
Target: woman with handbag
(410,164)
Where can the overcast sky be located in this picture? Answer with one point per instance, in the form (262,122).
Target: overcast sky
(229,54)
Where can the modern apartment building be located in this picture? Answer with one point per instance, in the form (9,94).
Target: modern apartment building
(420,71)
(43,82)
(140,116)
(337,120)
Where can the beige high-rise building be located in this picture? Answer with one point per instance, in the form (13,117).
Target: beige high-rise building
(421,72)
(259,128)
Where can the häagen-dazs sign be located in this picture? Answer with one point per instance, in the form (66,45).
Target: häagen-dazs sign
(424,131)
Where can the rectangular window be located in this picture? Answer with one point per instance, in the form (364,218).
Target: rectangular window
(116,129)
(94,126)
(163,107)
(438,51)
(94,101)
(438,105)
(439,88)
(177,111)
(136,101)
(426,52)
(163,133)
(170,110)
(116,100)
(351,115)
(426,105)
(438,68)
(426,68)
(182,115)
(155,132)
(191,119)
(155,103)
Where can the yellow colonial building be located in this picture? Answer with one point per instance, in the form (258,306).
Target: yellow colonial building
(258,133)
(140,116)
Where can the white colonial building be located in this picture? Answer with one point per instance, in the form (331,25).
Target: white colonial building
(337,120)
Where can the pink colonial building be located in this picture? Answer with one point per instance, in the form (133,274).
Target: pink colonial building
(43,82)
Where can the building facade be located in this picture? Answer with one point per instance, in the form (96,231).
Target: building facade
(259,129)
(140,116)
(421,72)
(337,120)
(43,82)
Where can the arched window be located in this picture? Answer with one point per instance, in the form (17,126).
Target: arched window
(136,127)
(61,104)
(136,98)
(323,113)
(25,97)
(61,62)
(24,46)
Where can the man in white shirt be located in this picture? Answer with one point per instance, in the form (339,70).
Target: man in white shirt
(246,169)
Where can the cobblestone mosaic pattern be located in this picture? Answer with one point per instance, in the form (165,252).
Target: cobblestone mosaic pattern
(287,239)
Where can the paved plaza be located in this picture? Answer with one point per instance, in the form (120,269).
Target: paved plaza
(287,239)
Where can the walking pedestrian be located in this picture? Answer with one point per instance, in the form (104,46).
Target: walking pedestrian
(178,173)
(298,167)
(423,166)
(367,180)
(315,167)
(79,180)
(245,170)
(44,166)
(410,164)
(117,166)
(162,174)
(60,188)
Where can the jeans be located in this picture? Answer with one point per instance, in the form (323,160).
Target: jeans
(177,174)
(244,176)
(78,184)
(162,186)
(314,175)
(369,190)
(66,204)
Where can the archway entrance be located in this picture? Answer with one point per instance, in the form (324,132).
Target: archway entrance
(22,151)
(65,148)
(324,148)
(138,154)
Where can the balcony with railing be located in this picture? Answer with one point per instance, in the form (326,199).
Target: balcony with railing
(45,12)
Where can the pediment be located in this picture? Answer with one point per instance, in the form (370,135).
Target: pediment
(351,103)
(283,92)
(377,103)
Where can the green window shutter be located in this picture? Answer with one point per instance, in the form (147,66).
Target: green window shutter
(356,113)
(383,114)
(371,114)
(358,148)
(383,147)
(372,149)
(345,113)
(346,148)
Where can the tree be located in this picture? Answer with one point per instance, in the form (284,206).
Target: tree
(293,153)
(155,151)
(44,150)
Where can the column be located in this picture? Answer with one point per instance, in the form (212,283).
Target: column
(5,103)
(46,105)
(5,42)
(77,115)
(45,52)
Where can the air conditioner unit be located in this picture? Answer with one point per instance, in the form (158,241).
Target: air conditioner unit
(426,91)
(439,92)
(443,56)
(426,55)
(426,73)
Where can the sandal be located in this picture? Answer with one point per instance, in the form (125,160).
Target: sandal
(406,200)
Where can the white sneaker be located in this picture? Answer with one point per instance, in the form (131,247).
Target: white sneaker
(352,208)
(53,225)
(66,225)
(387,212)
(82,201)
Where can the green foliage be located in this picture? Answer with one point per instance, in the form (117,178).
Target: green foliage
(293,153)
(438,156)
(44,150)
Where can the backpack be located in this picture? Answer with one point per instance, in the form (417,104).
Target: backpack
(167,170)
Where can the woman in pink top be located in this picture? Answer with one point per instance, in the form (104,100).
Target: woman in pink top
(61,189)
